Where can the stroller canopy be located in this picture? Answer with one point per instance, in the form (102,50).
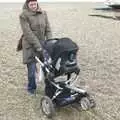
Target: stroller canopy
(56,47)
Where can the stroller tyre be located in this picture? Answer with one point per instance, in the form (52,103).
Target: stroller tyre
(47,106)
(85,103)
(92,103)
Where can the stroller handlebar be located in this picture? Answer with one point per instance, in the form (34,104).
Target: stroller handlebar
(42,64)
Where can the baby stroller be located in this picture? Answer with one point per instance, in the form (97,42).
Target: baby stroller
(59,65)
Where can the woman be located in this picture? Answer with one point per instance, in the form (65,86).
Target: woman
(35,27)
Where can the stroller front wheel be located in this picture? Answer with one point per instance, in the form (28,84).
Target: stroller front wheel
(47,106)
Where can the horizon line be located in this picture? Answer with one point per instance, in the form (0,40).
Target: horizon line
(60,2)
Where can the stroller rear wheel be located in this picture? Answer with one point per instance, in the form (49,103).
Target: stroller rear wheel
(85,103)
(47,106)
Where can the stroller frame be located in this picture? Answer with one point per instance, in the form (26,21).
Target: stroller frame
(78,95)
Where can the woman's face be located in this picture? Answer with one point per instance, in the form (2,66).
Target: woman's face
(33,5)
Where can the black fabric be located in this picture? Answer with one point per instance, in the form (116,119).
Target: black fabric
(65,49)
(19,45)
(56,47)
(49,89)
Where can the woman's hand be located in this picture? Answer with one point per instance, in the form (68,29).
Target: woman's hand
(39,50)
(39,53)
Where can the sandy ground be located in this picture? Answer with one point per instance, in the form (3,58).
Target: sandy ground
(99,60)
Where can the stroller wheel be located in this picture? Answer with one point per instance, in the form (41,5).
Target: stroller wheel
(47,106)
(92,103)
(85,103)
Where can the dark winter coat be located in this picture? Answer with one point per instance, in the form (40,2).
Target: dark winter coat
(35,27)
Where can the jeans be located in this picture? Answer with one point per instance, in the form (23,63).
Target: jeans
(31,76)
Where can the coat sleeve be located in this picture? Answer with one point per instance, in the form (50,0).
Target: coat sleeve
(29,35)
(48,32)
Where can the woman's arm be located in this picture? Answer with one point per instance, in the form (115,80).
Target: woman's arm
(48,32)
(29,35)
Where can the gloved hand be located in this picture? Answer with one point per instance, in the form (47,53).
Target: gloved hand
(39,49)
(39,53)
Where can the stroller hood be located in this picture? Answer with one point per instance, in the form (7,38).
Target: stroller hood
(56,47)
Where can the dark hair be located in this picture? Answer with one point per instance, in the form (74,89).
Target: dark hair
(27,1)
